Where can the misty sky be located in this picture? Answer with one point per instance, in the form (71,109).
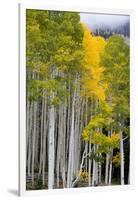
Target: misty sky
(98,20)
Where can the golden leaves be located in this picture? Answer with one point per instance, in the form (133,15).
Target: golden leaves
(83,175)
(93,47)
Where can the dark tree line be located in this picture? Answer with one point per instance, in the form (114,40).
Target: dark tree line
(106,32)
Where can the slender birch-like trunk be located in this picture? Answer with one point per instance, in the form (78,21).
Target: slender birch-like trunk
(63,148)
(122,158)
(71,147)
(84,155)
(41,137)
(100,172)
(90,165)
(90,150)
(44,141)
(77,131)
(111,154)
(27,127)
(30,133)
(29,141)
(110,165)
(107,166)
(51,153)
(68,125)
(59,145)
(34,141)
(110,169)
(94,169)
(107,169)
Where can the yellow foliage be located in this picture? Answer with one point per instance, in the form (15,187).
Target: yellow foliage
(106,142)
(83,175)
(93,47)
(115,138)
(93,88)
(85,134)
(98,138)
(116,160)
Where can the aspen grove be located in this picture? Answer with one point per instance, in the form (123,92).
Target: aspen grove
(77,104)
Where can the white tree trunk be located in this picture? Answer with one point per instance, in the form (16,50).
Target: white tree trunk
(63,149)
(94,169)
(51,152)
(100,172)
(59,143)
(107,166)
(44,142)
(122,158)
(41,138)
(110,165)
(84,155)
(27,127)
(29,140)
(71,147)
(90,166)
(110,169)
(96,174)
(33,141)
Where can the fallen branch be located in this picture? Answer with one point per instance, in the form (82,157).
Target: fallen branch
(84,155)
(125,138)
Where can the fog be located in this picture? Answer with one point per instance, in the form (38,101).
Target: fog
(94,21)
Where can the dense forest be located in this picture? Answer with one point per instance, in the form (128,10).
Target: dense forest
(77,104)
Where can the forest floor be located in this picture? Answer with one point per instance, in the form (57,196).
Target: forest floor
(38,183)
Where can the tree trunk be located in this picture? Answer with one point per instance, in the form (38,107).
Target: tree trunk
(63,148)
(84,155)
(41,137)
(51,152)
(107,166)
(122,158)
(110,169)
(90,165)
(44,142)
(34,141)
(59,144)
(94,169)
(29,141)
(110,165)
(100,172)
(71,147)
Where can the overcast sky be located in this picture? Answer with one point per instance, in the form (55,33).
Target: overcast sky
(99,20)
